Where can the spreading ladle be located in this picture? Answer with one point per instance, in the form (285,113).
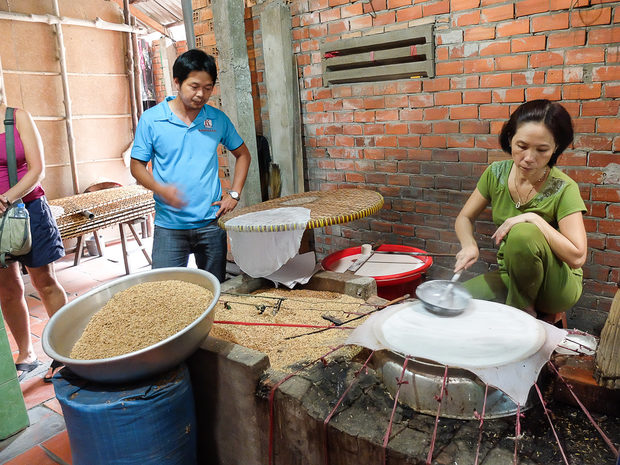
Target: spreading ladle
(449,287)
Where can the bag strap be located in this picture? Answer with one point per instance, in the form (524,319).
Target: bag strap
(11,161)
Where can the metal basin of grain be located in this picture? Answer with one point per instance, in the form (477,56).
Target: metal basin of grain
(67,325)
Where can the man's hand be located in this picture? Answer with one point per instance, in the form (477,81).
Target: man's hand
(227,204)
(171,196)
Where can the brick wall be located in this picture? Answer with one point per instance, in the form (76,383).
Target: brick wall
(424,142)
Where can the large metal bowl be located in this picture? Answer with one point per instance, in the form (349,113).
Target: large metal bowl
(67,325)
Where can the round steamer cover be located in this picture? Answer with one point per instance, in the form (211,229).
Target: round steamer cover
(380,265)
(486,334)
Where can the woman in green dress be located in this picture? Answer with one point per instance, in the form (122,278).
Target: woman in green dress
(538,212)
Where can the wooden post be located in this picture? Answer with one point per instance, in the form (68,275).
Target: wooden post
(136,70)
(130,69)
(67,100)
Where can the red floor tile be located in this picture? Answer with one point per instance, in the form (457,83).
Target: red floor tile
(54,405)
(36,391)
(35,456)
(59,446)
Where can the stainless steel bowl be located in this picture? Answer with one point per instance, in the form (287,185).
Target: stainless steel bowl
(442,297)
(464,395)
(67,325)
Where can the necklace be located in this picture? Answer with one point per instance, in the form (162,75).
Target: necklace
(520,202)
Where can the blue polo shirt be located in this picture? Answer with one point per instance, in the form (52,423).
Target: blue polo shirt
(185,156)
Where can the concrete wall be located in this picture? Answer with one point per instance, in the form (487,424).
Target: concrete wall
(98,85)
(424,142)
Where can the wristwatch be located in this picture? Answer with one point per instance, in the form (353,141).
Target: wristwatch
(234,195)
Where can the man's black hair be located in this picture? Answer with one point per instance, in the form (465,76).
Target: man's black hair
(193,60)
(553,115)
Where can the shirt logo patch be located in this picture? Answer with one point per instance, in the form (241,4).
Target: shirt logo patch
(208,123)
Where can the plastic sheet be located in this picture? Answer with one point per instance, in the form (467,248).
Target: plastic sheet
(513,377)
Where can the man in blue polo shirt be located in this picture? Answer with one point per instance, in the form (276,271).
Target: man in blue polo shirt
(180,137)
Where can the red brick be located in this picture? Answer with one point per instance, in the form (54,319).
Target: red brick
(475,34)
(609,108)
(601,159)
(572,38)
(392,4)
(382,19)
(351,10)
(590,17)
(396,101)
(557,76)
(612,91)
(398,179)
(511,62)
(465,112)
(418,101)
(550,23)
(528,78)
(408,14)
(530,7)
(433,141)
(435,113)
(372,129)
(477,96)
(593,142)
(528,44)
(495,48)
(584,125)
(374,154)
(355,177)
(466,19)
(459,5)
(461,142)
(438,8)
(435,85)
(478,66)
(494,112)
(362,22)
(606,73)
(448,98)
(474,127)
(464,82)
(498,13)
(353,129)
(386,115)
(588,55)
(508,95)
(513,28)
(546,59)
(445,127)
(409,141)
(606,194)
(329,15)
(608,35)
(411,115)
(548,92)
(374,103)
(338,27)
(581,91)
(446,68)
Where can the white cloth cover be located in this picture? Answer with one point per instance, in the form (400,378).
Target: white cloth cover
(259,254)
(515,377)
(298,270)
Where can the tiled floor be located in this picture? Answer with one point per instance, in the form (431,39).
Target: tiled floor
(45,441)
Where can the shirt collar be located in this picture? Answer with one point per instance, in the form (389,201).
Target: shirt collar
(168,115)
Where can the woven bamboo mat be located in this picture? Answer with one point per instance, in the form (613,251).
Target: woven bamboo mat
(326,208)
(109,207)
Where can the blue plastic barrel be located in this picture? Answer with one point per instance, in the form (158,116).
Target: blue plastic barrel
(152,422)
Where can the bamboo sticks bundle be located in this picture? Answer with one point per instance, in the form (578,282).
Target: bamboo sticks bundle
(607,371)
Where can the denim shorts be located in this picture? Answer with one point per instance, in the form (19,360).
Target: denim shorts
(46,242)
(172,247)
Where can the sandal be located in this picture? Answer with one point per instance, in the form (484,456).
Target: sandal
(53,366)
(26,368)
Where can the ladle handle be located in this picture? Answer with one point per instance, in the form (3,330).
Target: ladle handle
(456,276)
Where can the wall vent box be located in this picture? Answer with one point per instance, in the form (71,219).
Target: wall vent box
(401,54)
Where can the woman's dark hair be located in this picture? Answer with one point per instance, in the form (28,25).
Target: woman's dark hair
(553,115)
(193,60)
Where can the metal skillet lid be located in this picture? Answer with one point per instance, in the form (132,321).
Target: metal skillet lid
(443,297)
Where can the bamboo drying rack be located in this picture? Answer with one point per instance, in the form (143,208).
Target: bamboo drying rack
(326,208)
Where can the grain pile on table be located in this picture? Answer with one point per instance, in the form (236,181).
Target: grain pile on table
(141,316)
(283,306)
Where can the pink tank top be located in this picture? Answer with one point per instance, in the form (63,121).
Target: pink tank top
(22,166)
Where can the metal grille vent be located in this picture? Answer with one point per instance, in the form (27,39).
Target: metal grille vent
(401,54)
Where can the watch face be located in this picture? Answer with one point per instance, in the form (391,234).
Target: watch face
(234,195)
